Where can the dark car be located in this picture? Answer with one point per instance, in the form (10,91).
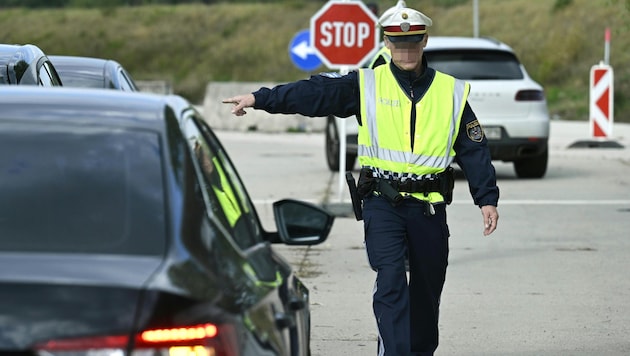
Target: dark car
(90,72)
(125,229)
(26,65)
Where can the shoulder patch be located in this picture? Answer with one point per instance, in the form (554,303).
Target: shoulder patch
(330,74)
(474,131)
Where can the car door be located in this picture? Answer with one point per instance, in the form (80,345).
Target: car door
(228,201)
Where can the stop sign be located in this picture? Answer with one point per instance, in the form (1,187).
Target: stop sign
(344,33)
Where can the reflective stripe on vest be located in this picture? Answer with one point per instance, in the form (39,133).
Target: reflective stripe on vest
(385,53)
(385,144)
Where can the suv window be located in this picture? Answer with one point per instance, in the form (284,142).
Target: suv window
(475,64)
(72,189)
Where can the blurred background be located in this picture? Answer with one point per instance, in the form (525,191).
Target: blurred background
(191,43)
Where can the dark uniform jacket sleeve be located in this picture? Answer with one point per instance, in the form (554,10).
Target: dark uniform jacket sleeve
(321,95)
(473,157)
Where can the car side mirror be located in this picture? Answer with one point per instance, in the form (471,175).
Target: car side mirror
(301,223)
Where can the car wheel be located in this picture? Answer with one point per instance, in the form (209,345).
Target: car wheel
(332,148)
(533,167)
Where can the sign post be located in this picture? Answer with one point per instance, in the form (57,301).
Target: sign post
(601,103)
(601,95)
(344,35)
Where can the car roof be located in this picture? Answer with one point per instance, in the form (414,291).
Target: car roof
(89,62)
(454,42)
(93,106)
(26,52)
(81,71)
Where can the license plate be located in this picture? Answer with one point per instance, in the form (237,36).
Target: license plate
(492,133)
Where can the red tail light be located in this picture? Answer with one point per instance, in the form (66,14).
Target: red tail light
(196,340)
(530,95)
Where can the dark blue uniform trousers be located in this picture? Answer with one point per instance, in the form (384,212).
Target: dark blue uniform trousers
(406,312)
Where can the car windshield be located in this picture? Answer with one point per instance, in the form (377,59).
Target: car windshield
(476,64)
(71,189)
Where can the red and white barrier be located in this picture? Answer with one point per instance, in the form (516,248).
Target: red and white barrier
(601,101)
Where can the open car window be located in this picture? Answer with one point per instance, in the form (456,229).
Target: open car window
(227,196)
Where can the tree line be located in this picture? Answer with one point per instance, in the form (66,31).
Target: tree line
(114,3)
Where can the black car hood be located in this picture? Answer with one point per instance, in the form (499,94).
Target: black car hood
(49,297)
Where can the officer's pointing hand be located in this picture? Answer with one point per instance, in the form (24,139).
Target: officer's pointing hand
(240,103)
(490,219)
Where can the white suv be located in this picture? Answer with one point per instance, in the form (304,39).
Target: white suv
(509,104)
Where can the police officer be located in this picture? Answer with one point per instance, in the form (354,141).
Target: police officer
(414,122)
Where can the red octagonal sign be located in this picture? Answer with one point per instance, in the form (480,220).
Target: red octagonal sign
(344,34)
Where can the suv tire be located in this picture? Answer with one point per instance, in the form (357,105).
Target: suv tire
(332,148)
(532,167)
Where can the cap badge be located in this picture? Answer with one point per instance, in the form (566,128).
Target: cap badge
(405,26)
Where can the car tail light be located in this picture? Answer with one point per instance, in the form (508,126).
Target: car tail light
(530,95)
(197,340)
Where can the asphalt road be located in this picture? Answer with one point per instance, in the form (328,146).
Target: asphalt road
(550,281)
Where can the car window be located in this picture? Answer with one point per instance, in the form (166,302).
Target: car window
(475,64)
(70,189)
(81,80)
(126,83)
(227,197)
(4,78)
(46,76)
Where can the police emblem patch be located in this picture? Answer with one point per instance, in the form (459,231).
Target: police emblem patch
(474,131)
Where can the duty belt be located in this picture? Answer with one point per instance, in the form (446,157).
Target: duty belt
(415,186)
(442,183)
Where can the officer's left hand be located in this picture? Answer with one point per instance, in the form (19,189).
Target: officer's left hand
(490,219)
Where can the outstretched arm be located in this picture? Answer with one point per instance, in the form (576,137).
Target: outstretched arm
(320,96)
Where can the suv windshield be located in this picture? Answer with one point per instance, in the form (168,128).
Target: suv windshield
(72,189)
(475,64)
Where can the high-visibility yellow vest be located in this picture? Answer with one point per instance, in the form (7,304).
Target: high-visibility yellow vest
(385,135)
(384,53)
(226,196)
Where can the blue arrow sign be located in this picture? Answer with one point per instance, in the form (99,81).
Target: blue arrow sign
(302,54)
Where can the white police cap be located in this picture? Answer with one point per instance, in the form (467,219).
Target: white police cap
(399,5)
(405,25)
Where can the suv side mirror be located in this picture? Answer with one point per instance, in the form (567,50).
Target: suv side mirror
(301,223)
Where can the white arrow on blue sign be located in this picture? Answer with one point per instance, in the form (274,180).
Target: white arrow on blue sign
(302,54)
